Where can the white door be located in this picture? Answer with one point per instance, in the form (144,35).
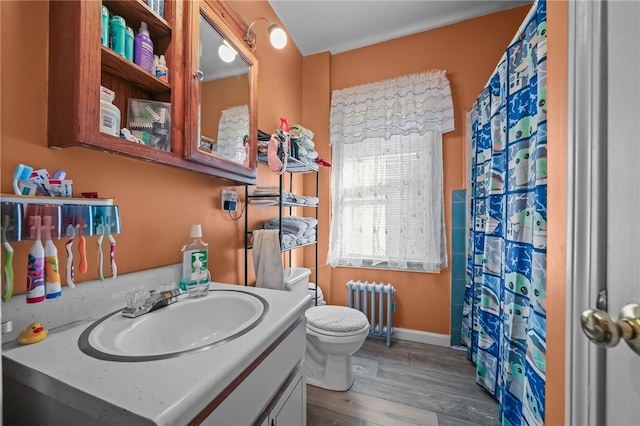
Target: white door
(607,68)
(623,258)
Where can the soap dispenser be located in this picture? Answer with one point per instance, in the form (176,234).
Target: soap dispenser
(195,256)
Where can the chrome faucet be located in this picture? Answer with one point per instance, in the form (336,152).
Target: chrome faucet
(142,302)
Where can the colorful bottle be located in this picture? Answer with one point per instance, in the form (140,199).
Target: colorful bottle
(162,72)
(117,27)
(35,270)
(195,257)
(128,44)
(143,49)
(53,288)
(104,26)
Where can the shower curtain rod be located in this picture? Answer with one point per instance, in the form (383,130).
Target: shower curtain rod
(518,35)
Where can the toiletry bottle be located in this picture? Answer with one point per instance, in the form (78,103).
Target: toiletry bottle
(195,256)
(51,272)
(104,26)
(162,72)
(117,27)
(128,44)
(143,49)
(35,269)
(160,9)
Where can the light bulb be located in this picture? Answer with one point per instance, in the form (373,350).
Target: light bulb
(277,36)
(226,52)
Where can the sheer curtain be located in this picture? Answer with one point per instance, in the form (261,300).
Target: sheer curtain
(386,182)
(232,128)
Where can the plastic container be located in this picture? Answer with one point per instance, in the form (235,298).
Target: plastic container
(162,72)
(143,49)
(118,27)
(104,26)
(109,113)
(195,259)
(128,44)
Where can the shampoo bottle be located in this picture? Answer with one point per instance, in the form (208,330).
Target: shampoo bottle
(143,49)
(195,257)
(35,269)
(51,272)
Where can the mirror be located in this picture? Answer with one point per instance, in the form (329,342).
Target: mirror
(221,130)
(224,98)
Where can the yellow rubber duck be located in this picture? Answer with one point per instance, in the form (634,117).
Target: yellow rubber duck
(34,333)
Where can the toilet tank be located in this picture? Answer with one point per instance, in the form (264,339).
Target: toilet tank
(297,279)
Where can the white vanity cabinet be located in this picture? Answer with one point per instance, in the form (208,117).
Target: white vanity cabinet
(274,392)
(254,379)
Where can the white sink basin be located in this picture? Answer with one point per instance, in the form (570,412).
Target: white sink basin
(184,327)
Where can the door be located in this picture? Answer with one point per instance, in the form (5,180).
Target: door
(603,383)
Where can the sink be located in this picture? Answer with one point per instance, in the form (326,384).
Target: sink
(182,328)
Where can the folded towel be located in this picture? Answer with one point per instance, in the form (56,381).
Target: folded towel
(267,259)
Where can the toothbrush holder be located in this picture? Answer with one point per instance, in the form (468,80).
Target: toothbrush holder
(42,210)
(11,217)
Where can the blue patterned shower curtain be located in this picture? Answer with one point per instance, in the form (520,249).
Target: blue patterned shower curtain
(504,323)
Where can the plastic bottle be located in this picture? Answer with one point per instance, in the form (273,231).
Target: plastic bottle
(160,8)
(162,72)
(51,270)
(35,269)
(143,49)
(117,28)
(195,257)
(128,44)
(104,26)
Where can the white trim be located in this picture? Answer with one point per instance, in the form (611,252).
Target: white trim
(586,213)
(422,337)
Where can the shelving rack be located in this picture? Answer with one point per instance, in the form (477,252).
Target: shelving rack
(294,166)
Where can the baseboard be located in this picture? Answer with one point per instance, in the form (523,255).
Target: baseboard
(422,337)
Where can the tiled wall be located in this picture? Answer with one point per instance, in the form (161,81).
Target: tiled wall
(457,262)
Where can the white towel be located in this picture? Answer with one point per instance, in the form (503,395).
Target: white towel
(267,259)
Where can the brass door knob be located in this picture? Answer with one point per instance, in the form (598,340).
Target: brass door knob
(603,330)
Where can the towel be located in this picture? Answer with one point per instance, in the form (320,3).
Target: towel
(267,259)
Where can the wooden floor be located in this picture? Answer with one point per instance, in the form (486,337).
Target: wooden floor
(407,384)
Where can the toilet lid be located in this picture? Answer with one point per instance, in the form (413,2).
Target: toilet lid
(336,319)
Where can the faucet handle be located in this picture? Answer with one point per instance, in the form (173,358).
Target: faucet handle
(137,298)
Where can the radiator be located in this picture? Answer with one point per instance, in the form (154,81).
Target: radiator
(376,302)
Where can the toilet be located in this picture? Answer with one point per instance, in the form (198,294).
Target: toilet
(334,334)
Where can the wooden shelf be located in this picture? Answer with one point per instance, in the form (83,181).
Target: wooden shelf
(126,70)
(136,11)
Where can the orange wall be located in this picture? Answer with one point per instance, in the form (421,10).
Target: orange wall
(469,51)
(557,18)
(158,204)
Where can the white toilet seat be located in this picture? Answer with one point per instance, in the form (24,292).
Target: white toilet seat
(336,320)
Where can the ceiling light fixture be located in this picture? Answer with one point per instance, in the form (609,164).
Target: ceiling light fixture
(277,36)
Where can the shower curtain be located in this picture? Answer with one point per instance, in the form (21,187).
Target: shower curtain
(504,314)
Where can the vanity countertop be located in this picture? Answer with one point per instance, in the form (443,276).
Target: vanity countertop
(164,392)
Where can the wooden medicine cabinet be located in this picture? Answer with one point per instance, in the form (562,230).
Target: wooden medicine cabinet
(79,64)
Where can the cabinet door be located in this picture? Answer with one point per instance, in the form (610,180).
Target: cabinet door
(291,409)
(221,111)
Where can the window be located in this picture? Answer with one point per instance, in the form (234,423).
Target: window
(387,206)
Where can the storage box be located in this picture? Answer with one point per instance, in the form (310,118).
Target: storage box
(150,121)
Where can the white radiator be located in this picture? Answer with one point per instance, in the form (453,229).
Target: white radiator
(375,300)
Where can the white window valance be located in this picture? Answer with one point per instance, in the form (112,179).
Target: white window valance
(412,104)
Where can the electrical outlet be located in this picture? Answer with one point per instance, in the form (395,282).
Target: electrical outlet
(229,200)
